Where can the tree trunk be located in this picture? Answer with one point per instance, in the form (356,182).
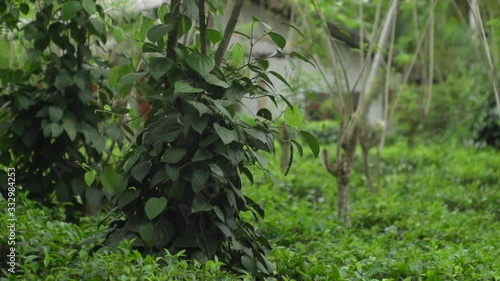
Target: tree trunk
(366,168)
(343,169)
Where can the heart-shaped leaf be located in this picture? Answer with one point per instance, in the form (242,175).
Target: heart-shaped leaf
(158,31)
(227,136)
(155,206)
(201,63)
(55,113)
(69,9)
(159,67)
(89,177)
(147,233)
(113,182)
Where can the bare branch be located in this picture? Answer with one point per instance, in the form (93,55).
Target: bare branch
(228,32)
(479,24)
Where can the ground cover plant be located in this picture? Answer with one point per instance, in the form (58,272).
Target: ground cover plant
(436,218)
(149,144)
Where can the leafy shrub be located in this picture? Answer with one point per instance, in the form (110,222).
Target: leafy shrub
(56,250)
(52,129)
(183,171)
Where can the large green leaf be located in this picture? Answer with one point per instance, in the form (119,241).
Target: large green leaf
(199,124)
(265,113)
(93,196)
(118,34)
(162,11)
(235,154)
(159,31)
(159,67)
(140,170)
(312,142)
(89,6)
(200,204)
(199,179)
(78,185)
(226,135)
(293,117)
(227,232)
(212,79)
(201,63)
(216,169)
(278,39)
(133,158)
(213,35)
(184,23)
(63,80)
(201,154)
(235,92)
(249,264)
(183,87)
(202,108)
(97,25)
(151,48)
(146,233)
(155,206)
(70,9)
(237,54)
(173,155)
(113,182)
(302,57)
(281,78)
(69,126)
(89,177)
(52,129)
(173,172)
(55,113)
(131,78)
(127,197)
(164,233)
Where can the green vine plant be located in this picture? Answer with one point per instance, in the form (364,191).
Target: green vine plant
(53,129)
(184,169)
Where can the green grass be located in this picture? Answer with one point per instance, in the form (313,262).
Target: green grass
(435,218)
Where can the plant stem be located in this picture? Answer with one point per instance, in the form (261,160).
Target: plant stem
(203,26)
(173,36)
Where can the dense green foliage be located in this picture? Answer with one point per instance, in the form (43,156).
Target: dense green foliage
(180,187)
(70,126)
(53,127)
(436,218)
(184,188)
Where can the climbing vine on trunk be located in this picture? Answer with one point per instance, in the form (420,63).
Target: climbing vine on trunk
(184,170)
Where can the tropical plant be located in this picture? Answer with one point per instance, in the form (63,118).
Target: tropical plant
(184,188)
